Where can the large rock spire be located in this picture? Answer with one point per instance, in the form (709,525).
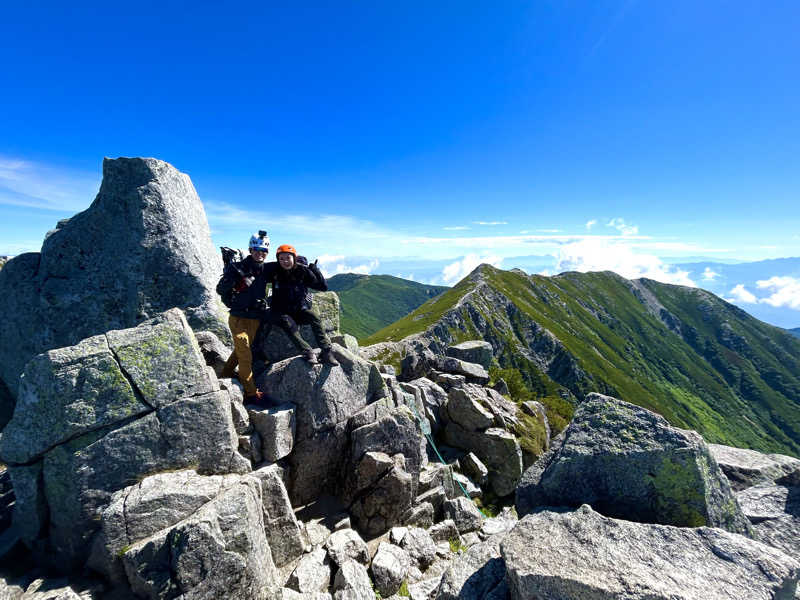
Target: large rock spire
(142,247)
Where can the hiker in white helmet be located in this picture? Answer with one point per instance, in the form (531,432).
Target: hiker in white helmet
(243,288)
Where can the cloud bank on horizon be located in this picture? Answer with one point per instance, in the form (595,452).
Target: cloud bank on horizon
(781,292)
(351,244)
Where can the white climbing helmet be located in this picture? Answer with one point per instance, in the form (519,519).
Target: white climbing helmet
(260,241)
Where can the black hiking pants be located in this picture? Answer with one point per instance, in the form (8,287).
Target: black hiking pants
(290,324)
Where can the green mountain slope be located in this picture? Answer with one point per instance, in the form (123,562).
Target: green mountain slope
(795,332)
(370,302)
(701,362)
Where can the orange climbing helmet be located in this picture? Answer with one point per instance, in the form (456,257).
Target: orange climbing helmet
(286,248)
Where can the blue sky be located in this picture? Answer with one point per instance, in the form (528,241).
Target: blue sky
(422,138)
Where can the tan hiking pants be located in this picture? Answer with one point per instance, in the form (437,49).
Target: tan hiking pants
(244,332)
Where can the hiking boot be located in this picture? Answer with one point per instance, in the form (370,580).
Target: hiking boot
(326,356)
(310,357)
(257,398)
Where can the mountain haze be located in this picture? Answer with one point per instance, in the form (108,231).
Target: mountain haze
(701,362)
(370,302)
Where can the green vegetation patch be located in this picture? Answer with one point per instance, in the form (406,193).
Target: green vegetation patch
(369,303)
(423,317)
(699,361)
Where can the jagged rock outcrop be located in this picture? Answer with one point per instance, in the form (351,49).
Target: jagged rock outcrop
(488,314)
(583,554)
(629,463)
(276,430)
(142,247)
(215,352)
(284,531)
(389,568)
(325,398)
(312,574)
(352,582)
(219,551)
(745,468)
(183,533)
(346,545)
(109,411)
(479,573)
(432,398)
(382,474)
(473,351)
(476,419)
(774,511)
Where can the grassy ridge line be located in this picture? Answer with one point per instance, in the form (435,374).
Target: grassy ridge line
(746,395)
(423,316)
(370,302)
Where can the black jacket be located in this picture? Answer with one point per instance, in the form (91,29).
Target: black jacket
(250,302)
(289,288)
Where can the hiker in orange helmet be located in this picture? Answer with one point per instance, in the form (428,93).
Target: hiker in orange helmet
(289,305)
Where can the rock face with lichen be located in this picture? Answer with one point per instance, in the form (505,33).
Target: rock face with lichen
(142,247)
(324,399)
(629,463)
(583,554)
(95,417)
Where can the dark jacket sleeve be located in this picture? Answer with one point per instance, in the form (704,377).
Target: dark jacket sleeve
(314,279)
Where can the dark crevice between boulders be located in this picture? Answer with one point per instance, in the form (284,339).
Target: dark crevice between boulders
(125,515)
(136,391)
(105,428)
(364,492)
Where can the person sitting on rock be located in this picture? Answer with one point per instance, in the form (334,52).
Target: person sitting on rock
(245,284)
(289,304)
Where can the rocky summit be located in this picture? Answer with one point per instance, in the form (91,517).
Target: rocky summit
(130,469)
(142,247)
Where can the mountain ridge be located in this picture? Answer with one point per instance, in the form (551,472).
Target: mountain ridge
(370,302)
(701,362)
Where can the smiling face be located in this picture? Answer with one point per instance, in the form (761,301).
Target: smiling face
(286,260)
(258,255)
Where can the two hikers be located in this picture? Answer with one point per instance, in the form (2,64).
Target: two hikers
(243,288)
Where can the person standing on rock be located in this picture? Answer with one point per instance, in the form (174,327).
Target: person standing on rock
(244,286)
(289,306)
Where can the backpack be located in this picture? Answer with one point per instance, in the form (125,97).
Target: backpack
(225,287)
(308,299)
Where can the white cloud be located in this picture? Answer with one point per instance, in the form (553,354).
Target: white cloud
(490,222)
(785,291)
(334,264)
(548,230)
(709,275)
(456,271)
(43,186)
(741,294)
(591,223)
(455,228)
(620,225)
(598,254)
